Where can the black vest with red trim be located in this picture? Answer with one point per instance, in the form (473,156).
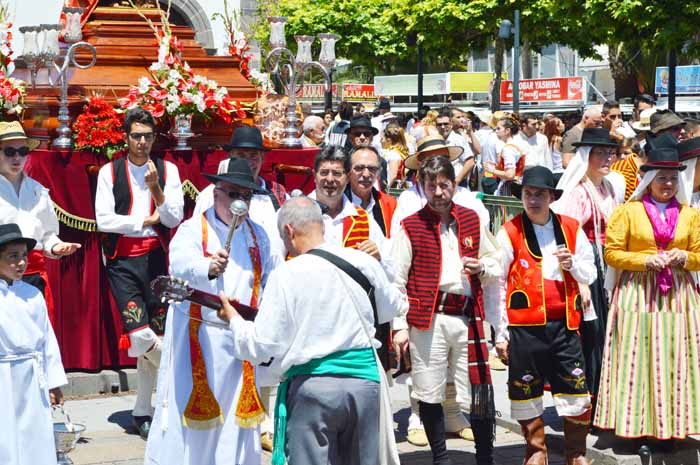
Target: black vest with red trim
(528,294)
(423,230)
(121,189)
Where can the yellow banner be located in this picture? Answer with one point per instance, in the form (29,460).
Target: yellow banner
(471,82)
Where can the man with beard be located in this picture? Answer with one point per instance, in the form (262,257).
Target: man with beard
(441,256)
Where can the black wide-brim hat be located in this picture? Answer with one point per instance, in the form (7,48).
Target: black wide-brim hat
(537,176)
(11,233)
(689,149)
(246,137)
(238,174)
(596,137)
(361,122)
(664,158)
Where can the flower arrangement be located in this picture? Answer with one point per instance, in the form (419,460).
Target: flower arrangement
(239,46)
(98,129)
(173,88)
(12,91)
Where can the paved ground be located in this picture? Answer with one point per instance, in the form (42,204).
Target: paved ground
(110,440)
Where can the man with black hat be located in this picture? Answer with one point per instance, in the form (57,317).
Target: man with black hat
(210,395)
(138,201)
(545,257)
(31,372)
(247,143)
(360,133)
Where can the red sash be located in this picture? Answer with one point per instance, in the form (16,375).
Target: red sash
(136,246)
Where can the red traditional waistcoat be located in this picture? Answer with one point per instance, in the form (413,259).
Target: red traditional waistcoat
(528,294)
(423,230)
(355,228)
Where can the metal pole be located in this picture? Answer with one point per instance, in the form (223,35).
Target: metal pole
(516,64)
(672,62)
(420,75)
(328,94)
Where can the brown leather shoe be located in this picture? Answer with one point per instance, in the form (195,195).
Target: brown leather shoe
(575,442)
(536,449)
(266,441)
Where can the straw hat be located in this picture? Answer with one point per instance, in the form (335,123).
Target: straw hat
(644,123)
(430,144)
(13,130)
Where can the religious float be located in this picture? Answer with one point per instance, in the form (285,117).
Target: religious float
(70,85)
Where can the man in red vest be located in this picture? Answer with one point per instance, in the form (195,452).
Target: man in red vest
(545,258)
(138,200)
(441,255)
(365,167)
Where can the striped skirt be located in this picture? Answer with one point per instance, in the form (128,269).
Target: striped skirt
(650,380)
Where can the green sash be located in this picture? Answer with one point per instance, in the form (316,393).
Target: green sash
(354,363)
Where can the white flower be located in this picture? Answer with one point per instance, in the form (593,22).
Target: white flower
(212,84)
(174,75)
(16,109)
(156,66)
(199,102)
(144,84)
(220,94)
(172,106)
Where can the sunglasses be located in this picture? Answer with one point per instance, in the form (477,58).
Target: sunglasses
(361,133)
(12,151)
(137,136)
(235,195)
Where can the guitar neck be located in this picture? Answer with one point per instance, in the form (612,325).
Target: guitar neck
(206,299)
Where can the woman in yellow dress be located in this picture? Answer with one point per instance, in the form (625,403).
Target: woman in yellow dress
(650,381)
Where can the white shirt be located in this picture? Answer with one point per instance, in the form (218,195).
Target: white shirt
(298,323)
(358,201)
(32,210)
(536,149)
(582,269)
(413,199)
(171,211)
(490,148)
(261,210)
(30,365)
(457,140)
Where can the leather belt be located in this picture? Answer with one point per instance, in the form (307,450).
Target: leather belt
(453,304)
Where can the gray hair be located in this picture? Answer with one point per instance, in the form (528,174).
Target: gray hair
(310,123)
(298,212)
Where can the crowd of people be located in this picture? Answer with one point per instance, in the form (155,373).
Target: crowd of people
(309,305)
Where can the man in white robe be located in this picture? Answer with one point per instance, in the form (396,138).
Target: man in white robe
(321,332)
(31,371)
(182,432)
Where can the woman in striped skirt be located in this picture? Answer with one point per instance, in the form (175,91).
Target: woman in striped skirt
(650,380)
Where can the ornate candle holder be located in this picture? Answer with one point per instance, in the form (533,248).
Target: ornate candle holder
(290,70)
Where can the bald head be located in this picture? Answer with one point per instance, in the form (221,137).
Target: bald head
(300,224)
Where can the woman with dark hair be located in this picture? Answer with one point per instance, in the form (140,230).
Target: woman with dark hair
(554,130)
(650,381)
(511,160)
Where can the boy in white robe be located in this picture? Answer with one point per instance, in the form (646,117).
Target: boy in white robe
(31,371)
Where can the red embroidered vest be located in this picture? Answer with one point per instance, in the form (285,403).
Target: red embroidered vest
(423,230)
(527,294)
(355,228)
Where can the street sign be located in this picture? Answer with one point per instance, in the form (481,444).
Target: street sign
(407,84)
(546,90)
(315,91)
(687,79)
(359,92)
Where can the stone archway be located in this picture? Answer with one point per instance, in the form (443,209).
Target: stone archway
(197,19)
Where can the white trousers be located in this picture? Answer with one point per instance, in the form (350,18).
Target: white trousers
(438,354)
(146,376)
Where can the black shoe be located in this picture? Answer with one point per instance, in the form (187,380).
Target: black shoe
(142,425)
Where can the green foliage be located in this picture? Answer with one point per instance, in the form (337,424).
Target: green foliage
(373,32)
